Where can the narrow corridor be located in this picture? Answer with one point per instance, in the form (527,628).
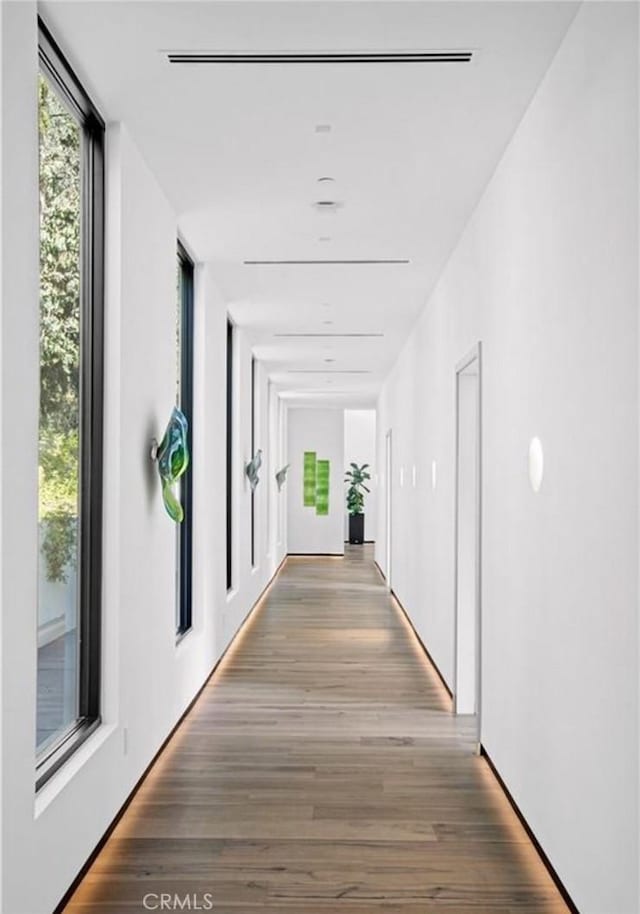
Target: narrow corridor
(321,771)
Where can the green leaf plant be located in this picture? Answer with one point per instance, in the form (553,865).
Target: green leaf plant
(356,477)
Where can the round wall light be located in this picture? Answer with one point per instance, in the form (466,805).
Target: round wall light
(536,464)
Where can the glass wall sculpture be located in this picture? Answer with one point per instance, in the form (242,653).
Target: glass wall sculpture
(173,460)
(316,483)
(251,470)
(281,477)
(309,479)
(322,487)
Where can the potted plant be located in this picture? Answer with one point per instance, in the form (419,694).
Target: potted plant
(356,477)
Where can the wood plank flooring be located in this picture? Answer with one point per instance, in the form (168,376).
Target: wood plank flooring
(321,771)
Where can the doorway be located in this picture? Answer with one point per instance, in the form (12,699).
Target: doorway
(388,500)
(468,508)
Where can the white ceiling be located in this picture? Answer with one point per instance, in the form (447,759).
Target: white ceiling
(411,148)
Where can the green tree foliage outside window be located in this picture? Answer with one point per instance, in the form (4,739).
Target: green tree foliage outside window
(60,289)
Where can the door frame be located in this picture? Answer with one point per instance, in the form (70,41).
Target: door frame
(388,456)
(475,354)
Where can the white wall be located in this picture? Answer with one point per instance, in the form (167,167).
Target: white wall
(545,275)
(248,582)
(3,518)
(148,680)
(360,447)
(320,430)
(18,422)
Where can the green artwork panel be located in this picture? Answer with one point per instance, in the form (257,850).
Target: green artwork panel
(309,479)
(322,487)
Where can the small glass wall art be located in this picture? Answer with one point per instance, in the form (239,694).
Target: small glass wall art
(172,456)
(251,470)
(281,477)
(316,483)
(309,479)
(322,487)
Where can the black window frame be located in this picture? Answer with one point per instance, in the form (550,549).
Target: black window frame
(253,453)
(184,596)
(57,70)
(229,443)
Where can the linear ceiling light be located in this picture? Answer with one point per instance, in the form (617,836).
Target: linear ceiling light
(318,57)
(332,335)
(328,371)
(304,263)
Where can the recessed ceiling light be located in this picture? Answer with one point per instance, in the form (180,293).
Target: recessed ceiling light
(323,128)
(327,322)
(329,360)
(327,206)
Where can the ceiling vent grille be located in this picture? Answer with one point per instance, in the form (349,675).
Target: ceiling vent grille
(318,57)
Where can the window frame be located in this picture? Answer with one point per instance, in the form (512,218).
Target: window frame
(184,595)
(230,451)
(55,68)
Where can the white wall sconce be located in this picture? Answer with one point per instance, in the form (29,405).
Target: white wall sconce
(434,475)
(536,464)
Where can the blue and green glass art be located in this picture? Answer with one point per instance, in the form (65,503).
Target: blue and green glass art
(173,459)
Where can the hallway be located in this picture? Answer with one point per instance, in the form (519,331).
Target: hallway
(320,770)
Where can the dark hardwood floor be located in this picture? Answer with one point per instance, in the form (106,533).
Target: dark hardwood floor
(321,771)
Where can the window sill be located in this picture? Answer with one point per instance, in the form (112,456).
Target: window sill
(68,769)
(180,636)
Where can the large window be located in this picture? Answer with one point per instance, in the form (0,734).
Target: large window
(184,399)
(229,455)
(71,169)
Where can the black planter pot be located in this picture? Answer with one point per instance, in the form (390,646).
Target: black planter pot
(356,529)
